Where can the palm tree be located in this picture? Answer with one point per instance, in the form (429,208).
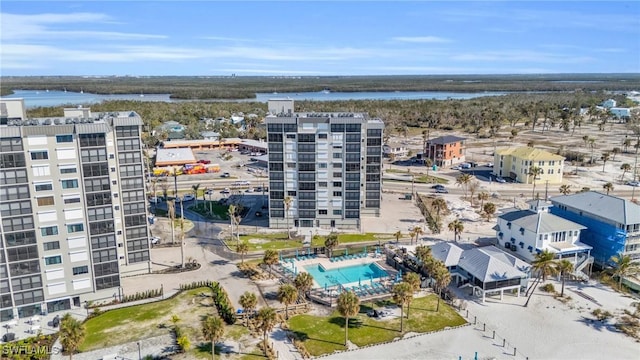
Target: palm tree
(72,334)
(402,295)
(348,306)
(457,227)
(483,196)
(270,258)
(243,249)
(417,231)
(534,171)
(267,319)
(195,193)
(565,189)
(625,168)
(212,330)
(423,253)
(592,145)
(442,277)
(171,204)
(605,157)
(564,267)
(231,212)
(398,235)
(626,143)
(287,294)
(544,264)
(615,151)
(623,266)
(462,181)
(248,301)
(473,187)
(287,205)
(182,242)
(303,283)
(607,187)
(413,279)
(330,243)
(488,210)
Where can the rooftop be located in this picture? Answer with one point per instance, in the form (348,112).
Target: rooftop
(529,153)
(446,252)
(492,264)
(539,223)
(618,210)
(447,139)
(181,156)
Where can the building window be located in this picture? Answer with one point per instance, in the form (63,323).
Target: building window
(45,201)
(322,165)
(322,136)
(69,184)
(51,245)
(337,193)
(39,155)
(44,187)
(64,138)
(322,184)
(80,270)
(322,212)
(49,230)
(75,228)
(68,170)
(337,212)
(53,260)
(550,171)
(72,200)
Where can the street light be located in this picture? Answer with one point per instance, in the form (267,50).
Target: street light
(139,352)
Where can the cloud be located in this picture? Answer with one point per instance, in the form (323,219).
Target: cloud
(521,56)
(224,38)
(421,39)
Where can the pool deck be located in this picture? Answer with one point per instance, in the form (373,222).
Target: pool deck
(368,290)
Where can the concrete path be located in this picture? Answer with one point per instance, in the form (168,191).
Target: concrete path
(283,346)
(158,347)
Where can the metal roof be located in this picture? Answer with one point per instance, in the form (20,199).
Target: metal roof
(128,121)
(539,223)
(529,153)
(92,128)
(447,139)
(446,252)
(492,264)
(179,156)
(609,207)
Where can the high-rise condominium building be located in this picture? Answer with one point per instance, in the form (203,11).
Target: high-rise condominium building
(73,208)
(324,169)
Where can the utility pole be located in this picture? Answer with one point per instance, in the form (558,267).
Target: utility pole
(546,190)
(635,168)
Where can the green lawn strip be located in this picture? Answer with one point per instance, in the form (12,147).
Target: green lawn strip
(353,238)
(268,245)
(323,335)
(131,323)
(219,211)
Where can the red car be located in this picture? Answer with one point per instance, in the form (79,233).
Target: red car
(204,161)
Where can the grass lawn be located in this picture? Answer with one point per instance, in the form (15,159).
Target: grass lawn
(219,211)
(274,241)
(353,238)
(323,335)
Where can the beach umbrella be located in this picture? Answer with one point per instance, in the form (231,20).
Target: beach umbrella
(296,253)
(359,284)
(346,251)
(325,287)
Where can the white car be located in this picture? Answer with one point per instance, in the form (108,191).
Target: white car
(154,240)
(500,180)
(188,197)
(154,199)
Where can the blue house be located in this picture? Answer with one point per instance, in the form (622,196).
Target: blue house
(612,223)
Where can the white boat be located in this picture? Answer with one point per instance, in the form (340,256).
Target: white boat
(326,91)
(235,118)
(141,94)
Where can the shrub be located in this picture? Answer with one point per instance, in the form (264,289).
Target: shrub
(222,303)
(548,288)
(601,315)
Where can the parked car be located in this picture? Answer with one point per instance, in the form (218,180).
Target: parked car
(155,199)
(249,190)
(225,175)
(204,161)
(438,186)
(154,240)
(188,197)
(442,191)
(225,191)
(456,168)
(500,180)
(209,192)
(633,183)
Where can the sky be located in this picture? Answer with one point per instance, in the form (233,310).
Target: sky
(317,38)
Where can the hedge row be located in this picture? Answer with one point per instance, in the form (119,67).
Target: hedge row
(221,300)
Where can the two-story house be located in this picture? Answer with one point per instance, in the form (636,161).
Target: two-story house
(612,223)
(515,163)
(445,150)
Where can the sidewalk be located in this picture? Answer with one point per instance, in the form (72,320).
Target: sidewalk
(157,347)
(285,350)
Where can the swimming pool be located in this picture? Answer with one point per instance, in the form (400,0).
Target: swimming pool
(345,275)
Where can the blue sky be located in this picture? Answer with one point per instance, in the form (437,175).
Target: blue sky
(309,38)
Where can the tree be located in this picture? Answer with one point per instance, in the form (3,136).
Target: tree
(212,330)
(414,281)
(402,295)
(625,168)
(565,189)
(72,334)
(483,196)
(442,277)
(544,264)
(303,283)
(462,181)
(171,209)
(398,235)
(195,189)
(564,267)
(266,321)
(248,301)
(348,306)
(270,258)
(615,151)
(473,187)
(534,171)
(231,212)
(287,205)
(488,210)
(592,145)
(423,253)
(183,343)
(623,266)
(439,205)
(607,187)
(242,249)
(416,232)
(625,144)
(457,227)
(605,157)
(330,243)
(287,294)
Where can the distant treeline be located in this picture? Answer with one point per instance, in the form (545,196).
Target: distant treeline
(245,87)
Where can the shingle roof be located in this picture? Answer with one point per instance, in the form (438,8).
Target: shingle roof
(492,264)
(610,207)
(447,139)
(446,252)
(539,223)
(529,153)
